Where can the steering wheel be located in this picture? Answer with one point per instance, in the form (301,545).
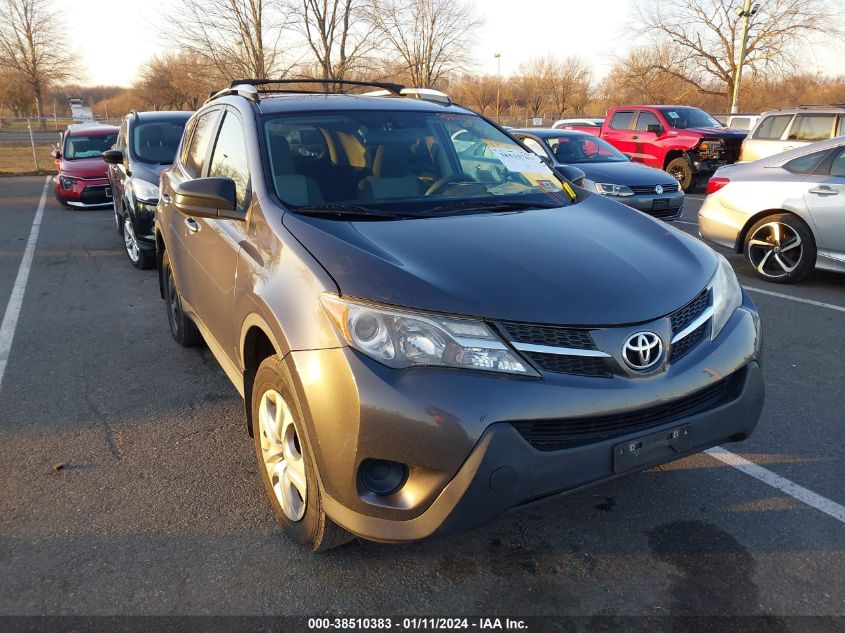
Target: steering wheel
(441,184)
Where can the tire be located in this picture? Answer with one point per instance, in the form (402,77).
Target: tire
(781,248)
(138,257)
(118,221)
(285,461)
(681,170)
(184,330)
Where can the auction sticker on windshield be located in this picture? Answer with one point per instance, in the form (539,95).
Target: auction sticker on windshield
(519,161)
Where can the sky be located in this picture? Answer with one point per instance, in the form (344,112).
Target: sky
(516,29)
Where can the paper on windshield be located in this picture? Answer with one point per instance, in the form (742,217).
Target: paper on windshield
(520,162)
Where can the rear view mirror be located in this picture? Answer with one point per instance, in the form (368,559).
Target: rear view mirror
(113,157)
(208,198)
(655,128)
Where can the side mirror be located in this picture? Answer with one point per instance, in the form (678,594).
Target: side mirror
(572,174)
(655,128)
(56,154)
(208,198)
(113,157)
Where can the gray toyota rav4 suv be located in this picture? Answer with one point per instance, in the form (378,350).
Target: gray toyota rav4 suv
(426,337)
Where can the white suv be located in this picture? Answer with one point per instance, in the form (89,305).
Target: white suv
(785,129)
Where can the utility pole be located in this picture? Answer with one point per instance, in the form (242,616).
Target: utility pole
(498,57)
(745,15)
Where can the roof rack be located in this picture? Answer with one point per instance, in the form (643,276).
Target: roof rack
(252,89)
(424,94)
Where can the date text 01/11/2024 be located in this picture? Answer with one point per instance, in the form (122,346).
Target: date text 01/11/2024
(417,624)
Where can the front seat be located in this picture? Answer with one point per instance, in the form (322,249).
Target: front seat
(392,177)
(292,188)
(565,153)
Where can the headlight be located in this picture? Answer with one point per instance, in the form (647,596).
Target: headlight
(66,182)
(145,191)
(401,339)
(727,295)
(613,190)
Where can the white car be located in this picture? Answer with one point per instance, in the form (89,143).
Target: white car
(565,123)
(785,212)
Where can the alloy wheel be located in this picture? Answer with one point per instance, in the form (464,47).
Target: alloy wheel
(130,240)
(281,454)
(775,249)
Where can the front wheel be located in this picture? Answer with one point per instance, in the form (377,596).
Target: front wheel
(681,170)
(138,257)
(781,248)
(184,330)
(287,468)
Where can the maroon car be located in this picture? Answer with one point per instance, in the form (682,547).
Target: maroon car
(82,180)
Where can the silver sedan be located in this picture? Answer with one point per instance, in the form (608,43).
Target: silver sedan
(786,213)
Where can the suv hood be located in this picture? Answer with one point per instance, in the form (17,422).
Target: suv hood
(594,263)
(84,168)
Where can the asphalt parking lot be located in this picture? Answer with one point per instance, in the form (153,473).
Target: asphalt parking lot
(130,486)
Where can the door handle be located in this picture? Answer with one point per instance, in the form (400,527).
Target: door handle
(165,198)
(192,225)
(635,138)
(824,190)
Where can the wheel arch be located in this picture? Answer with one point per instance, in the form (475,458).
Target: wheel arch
(257,342)
(672,154)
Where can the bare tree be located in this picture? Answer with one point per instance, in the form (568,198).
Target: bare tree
(570,84)
(336,32)
(16,94)
(536,77)
(476,92)
(704,35)
(428,38)
(31,46)
(239,38)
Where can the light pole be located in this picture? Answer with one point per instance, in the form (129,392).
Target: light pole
(745,14)
(498,57)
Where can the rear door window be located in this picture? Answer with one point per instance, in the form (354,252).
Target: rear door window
(772,127)
(645,120)
(837,168)
(199,143)
(812,127)
(622,120)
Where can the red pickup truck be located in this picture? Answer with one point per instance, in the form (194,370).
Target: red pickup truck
(685,141)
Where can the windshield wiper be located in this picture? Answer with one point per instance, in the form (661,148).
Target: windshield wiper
(473,205)
(349,211)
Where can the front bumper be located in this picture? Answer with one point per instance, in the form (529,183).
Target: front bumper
(468,463)
(668,206)
(84,193)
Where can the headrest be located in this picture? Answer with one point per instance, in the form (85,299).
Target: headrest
(392,161)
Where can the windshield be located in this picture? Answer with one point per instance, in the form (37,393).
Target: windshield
(584,149)
(682,118)
(400,162)
(156,141)
(81,146)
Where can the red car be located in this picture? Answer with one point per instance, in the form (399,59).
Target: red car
(82,181)
(684,141)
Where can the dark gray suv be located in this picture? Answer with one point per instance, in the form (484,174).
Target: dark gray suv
(426,338)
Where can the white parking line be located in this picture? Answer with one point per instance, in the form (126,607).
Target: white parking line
(830,508)
(780,295)
(13,309)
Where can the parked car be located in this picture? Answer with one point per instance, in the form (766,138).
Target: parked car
(567,123)
(82,181)
(145,146)
(686,142)
(608,171)
(785,129)
(425,340)
(738,121)
(785,213)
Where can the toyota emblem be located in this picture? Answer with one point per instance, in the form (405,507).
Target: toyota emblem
(642,350)
(658,189)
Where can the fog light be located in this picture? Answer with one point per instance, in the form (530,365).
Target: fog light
(383,477)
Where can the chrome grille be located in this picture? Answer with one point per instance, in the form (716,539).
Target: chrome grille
(548,335)
(650,189)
